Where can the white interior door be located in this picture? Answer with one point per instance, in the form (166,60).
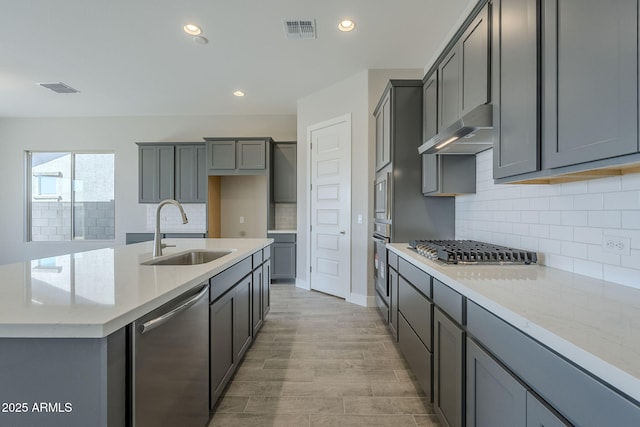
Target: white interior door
(330,206)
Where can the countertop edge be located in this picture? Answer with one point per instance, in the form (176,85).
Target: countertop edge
(94,330)
(594,365)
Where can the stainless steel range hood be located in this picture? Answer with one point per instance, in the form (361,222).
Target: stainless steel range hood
(471,134)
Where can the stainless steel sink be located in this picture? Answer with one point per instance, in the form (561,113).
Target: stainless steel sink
(193,257)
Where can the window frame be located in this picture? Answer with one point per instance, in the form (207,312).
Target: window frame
(28,196)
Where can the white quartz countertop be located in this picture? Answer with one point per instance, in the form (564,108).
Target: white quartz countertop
(593,323)
(92,294)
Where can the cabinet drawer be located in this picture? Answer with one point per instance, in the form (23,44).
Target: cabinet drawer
(418,357)
(266,253)
(575,394)
(415,276)
(392,260)
(283,237)
(416,309)
(257,259)
(221,283)
(448,300)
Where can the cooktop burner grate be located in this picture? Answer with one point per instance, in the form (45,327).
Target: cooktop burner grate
(472,252)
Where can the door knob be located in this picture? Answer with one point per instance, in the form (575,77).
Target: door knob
(343,232)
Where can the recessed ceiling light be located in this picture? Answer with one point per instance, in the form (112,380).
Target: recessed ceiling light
(346,25)
(238,93)
(192,29)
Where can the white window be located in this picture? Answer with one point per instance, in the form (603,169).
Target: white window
(70,196)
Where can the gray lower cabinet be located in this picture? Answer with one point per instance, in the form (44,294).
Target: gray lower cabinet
(235,314)
(283,256)
(237,156)
(448,365)
(539,414)
(393,301)
(590,80)
(414,317)
(284,172)
(266,282)
(494,397)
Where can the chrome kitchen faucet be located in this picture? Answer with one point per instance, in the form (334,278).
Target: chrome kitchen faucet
(157,240)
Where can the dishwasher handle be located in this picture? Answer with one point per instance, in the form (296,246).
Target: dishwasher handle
(154,323)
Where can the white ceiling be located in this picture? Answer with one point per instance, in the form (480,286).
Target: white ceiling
(131,57)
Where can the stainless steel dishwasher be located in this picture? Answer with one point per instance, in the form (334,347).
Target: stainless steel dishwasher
(170,363)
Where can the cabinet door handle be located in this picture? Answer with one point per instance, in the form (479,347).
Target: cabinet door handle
(154,323)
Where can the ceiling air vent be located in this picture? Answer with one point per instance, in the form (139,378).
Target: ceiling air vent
(300,29)
(59,87)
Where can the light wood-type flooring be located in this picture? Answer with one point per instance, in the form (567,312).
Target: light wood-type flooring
(320,361)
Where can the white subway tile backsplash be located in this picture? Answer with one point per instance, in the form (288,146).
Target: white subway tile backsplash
(630,220)
(622,200)
(588,235)
(576,218)
(551,217)
(171,222)
(604,219)
(564,223)
(588,201)
(604,185)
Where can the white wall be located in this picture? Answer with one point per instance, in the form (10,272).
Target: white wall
(564,223)
(358,96)
(108,133)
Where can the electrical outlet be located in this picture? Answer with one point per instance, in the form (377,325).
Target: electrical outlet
(241,220)
(617,245)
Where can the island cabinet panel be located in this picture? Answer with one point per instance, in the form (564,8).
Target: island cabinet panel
(222,356)
(539,414)
(590,80)
(257,314)
(516,143)
(242,327)
(494,397)
(64,381)
(266,282)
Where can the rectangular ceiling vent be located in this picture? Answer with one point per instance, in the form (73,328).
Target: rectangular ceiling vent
(300,29)
(59,87)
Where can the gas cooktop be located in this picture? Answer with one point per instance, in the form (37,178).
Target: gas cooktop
(471,252)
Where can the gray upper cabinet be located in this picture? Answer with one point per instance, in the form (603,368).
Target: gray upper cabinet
(221,155)
(448,175)
(171,171)
(237,156)
(516,144)
(474,57)
(155,173)
(464,73)
(284,173)
(383,132)
(590,80)
(430,106)
(191,174)
(251,155)
(449,89)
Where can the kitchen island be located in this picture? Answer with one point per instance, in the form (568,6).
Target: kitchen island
(573,341)
(65,333)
